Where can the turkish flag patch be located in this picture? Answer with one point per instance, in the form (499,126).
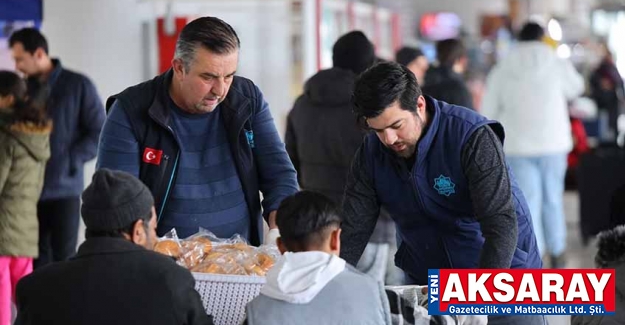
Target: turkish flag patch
(152,156)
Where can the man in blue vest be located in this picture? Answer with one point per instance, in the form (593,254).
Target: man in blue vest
(440,172)
(202,139)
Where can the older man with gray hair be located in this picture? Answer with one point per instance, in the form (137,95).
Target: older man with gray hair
(202,139)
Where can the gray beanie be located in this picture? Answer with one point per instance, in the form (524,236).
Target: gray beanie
(114,200)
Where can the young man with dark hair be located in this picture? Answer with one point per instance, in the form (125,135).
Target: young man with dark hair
(311,284)
(528,91)
(77,115)
(202,139)
(440,172)
(445,81)
(115,278)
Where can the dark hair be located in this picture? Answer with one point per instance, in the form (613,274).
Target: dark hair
(24,109)
(531,32)
(212,33)
(119,233)
(30,38)
(305,220)
(12,84)
(382,85)
(449,51)
(353,51)
(405,55)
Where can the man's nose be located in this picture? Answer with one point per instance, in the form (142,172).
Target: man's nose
(390,137)
(218,87)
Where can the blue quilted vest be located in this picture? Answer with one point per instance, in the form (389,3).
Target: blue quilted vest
(431,203)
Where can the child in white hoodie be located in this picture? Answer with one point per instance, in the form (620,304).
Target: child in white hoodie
(311,284)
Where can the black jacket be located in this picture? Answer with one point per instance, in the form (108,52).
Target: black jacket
(444,84)
(260,159)
(110,281)
(322,137)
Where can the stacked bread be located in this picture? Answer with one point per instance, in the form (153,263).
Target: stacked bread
(204,253)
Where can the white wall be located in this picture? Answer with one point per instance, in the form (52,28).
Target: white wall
(101,39)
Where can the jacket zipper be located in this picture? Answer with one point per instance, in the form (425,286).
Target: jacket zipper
(171,180)
(415,191)
(173,173)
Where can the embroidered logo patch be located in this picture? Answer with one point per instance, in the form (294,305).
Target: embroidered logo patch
(444,185)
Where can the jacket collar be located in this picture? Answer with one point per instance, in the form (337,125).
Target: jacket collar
(235,104)
(423,146)
(56,71)
(159,110)
(106,245)
(425,142)
(34,83)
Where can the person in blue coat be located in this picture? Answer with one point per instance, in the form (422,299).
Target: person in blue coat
(440,172)
(77,114)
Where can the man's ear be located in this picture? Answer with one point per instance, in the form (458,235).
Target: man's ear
(39,53)
(281,246)
(421,107)
(178,67)
(138,235)
(335,240)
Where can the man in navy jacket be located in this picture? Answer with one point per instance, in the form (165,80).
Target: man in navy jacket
(202,139)
(439,171)
(77,115)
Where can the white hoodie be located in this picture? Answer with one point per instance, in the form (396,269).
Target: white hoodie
(527,93)
(298,277)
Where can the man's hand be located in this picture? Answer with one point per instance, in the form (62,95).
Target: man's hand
(274,233)
(272,236)
(272,220)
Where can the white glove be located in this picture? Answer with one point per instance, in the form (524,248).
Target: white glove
(272,235)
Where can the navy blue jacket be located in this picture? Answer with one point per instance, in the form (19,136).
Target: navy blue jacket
(77,114)
(259,155)
(431,203)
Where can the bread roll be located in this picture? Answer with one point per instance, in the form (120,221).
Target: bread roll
(207,244)
(265,261)
(168,247)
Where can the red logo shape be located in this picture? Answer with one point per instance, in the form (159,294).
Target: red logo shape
(152,156)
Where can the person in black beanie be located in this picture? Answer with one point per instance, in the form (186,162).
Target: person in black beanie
(354,52)
(322,136)
(115,278)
